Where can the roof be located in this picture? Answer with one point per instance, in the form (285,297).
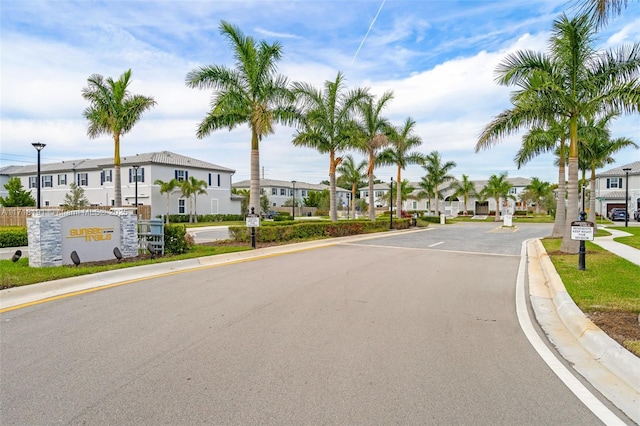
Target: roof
(613,195)
(266,183)
(617,171)
(162,157)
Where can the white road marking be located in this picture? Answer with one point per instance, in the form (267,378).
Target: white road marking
(574,385)
(436,244)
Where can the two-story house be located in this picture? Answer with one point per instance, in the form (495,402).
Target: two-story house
(281,192)
(612,185)
(96,178)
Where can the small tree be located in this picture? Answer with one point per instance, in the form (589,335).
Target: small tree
(75,198)
(264,202)
(17,197)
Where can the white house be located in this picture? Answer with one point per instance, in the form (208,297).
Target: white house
(611,186)
(448,204)
(280,192)
(96,177)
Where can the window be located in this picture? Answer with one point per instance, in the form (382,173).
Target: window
(283,191)
(274,191)
(106,176)
(379,193)
(47,203)
(513,190)
(365,194)
(47,181)
(218,179)
(139,177)
(291,194)
(304,192)
(614,182)
(82,179)
(33,181)
(181,204)
(181,175)
(62,179)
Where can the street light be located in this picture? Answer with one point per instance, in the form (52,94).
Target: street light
(39,146)
(135,169)
(626,170)
(293,205)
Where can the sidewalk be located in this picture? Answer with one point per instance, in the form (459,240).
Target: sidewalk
(619,249)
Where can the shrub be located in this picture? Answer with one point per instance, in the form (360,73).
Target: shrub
(14,238)
(176,239)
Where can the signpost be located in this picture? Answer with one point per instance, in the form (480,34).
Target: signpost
(582,231)
(253,222)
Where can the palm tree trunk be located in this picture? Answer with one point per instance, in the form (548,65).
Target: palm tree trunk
(195,207)
(168,204)
(561,211)
(437,202)
(372,204)
(117,180)
(354,188)
(568,245)
(333,213)
(399,194)
(254,184)
(496,218)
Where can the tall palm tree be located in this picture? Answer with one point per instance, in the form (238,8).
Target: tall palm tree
(601,10)
(190,189)
(572,81)
(327,124)
(352,175)
(167,188)
(597,148)
(498,187)
(552,136)
(464,188)
(373,129)
(438,173)
(403,140)
(250,93)
(113,110)
(538,189)
(246,196)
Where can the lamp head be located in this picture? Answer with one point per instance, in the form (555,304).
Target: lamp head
(39,146)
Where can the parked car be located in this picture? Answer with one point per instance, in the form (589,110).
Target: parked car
(270,214)
(613,211)
(636,215)
(619,214)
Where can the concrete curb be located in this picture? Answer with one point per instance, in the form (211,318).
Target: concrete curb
(603,348)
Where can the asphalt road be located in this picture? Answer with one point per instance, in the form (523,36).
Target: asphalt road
(412,329)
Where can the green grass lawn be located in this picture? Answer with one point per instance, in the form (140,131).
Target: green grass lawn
(609,283)
(633,240)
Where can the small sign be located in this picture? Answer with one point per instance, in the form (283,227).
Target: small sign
(253,221)
(582,230)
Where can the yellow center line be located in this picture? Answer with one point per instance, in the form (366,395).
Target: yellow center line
(162,275)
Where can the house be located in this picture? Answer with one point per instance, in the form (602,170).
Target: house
(448,204)
(281,192)
(611,186)
(96,177)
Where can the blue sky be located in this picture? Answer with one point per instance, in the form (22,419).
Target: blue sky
(438,58)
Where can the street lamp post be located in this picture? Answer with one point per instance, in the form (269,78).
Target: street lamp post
(391,204)
(626,196)
(135,177)
(293,205)
(39,146)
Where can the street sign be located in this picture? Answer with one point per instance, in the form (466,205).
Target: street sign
(253,221)
(582,230)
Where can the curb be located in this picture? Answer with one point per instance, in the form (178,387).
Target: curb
(603,348)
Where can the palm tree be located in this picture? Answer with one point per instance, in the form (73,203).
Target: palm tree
(547,138)
(373,129)
(192,187)
(404,194)
(601,10)
(246,196)
(464,188)
(402,142)
(113,111)
(572,81)
(167,188)
(597,147)
(251,93)
(538,189)
(327,124)
(438,173)
(498,187)
(352,175)
(427,189)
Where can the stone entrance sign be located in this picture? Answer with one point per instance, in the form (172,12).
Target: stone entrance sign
(92,234)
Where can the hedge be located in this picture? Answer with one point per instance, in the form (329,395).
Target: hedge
(282,232)
(14,238)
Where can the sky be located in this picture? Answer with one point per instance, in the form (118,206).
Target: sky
(438,58)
